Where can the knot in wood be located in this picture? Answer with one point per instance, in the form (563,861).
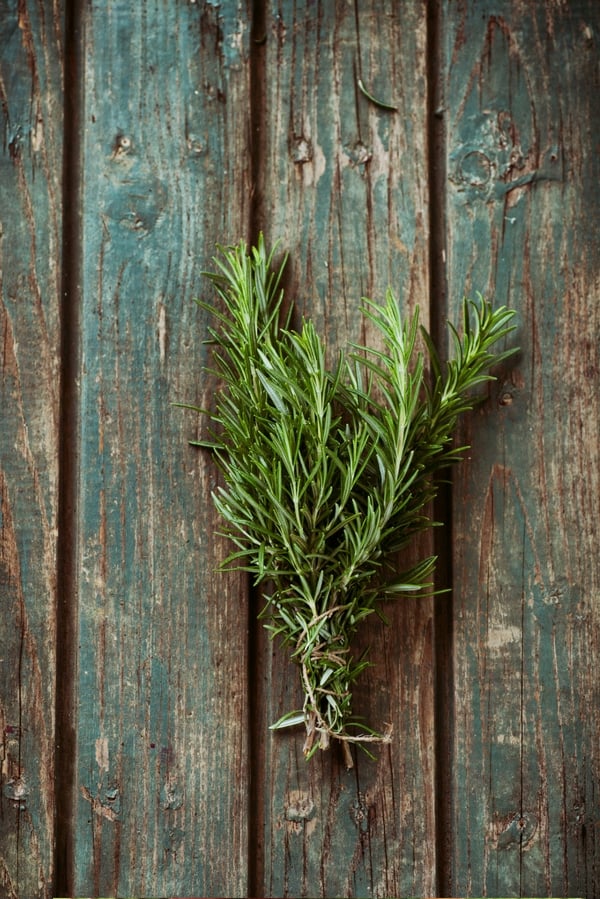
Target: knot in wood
(475,168)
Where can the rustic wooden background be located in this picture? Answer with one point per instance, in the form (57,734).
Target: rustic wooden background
(136,687)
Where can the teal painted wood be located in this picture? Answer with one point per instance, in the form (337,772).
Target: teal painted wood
(30,276)
(523,211)
(162,691)
(164,786)
(344,188)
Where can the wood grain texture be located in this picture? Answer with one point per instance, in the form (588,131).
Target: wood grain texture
(345,191)
(523,213)
(195,129)
(162,692)
(30,275)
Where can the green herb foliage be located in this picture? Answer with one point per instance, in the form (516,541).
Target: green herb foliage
(329,473)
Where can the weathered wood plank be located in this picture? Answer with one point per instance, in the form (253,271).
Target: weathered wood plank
(523,215)
(162,687)
(345,191)
(30,277)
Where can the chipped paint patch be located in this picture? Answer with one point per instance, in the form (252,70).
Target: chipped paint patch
(17,791)
(172,796)
(102,759)
(107,807)
(300,812)
(498,637)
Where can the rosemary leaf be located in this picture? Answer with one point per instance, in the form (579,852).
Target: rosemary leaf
(329,473)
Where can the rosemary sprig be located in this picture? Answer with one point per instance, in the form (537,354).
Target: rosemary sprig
(329,473)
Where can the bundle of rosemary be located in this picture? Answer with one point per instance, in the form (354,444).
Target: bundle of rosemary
(329,473)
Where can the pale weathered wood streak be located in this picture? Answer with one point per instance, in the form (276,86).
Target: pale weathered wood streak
(523,213)
(180,788)
(161,788)
(30,237)
(345,191)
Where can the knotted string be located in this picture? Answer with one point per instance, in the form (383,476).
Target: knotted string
(315,723)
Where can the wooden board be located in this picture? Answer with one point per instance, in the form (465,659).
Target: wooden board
(205,121)
(523,197)
(30,283)
(344,189)
(161,798)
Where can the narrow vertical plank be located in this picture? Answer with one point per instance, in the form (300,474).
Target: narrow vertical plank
(523,213)
(345,191)
(161,791)
(30,276)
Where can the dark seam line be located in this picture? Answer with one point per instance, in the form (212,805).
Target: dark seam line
(443,604)
(68,460)
(255,702)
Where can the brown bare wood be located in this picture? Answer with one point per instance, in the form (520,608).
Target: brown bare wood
(344,190)
(523,212)
(208,121)
(30,276)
